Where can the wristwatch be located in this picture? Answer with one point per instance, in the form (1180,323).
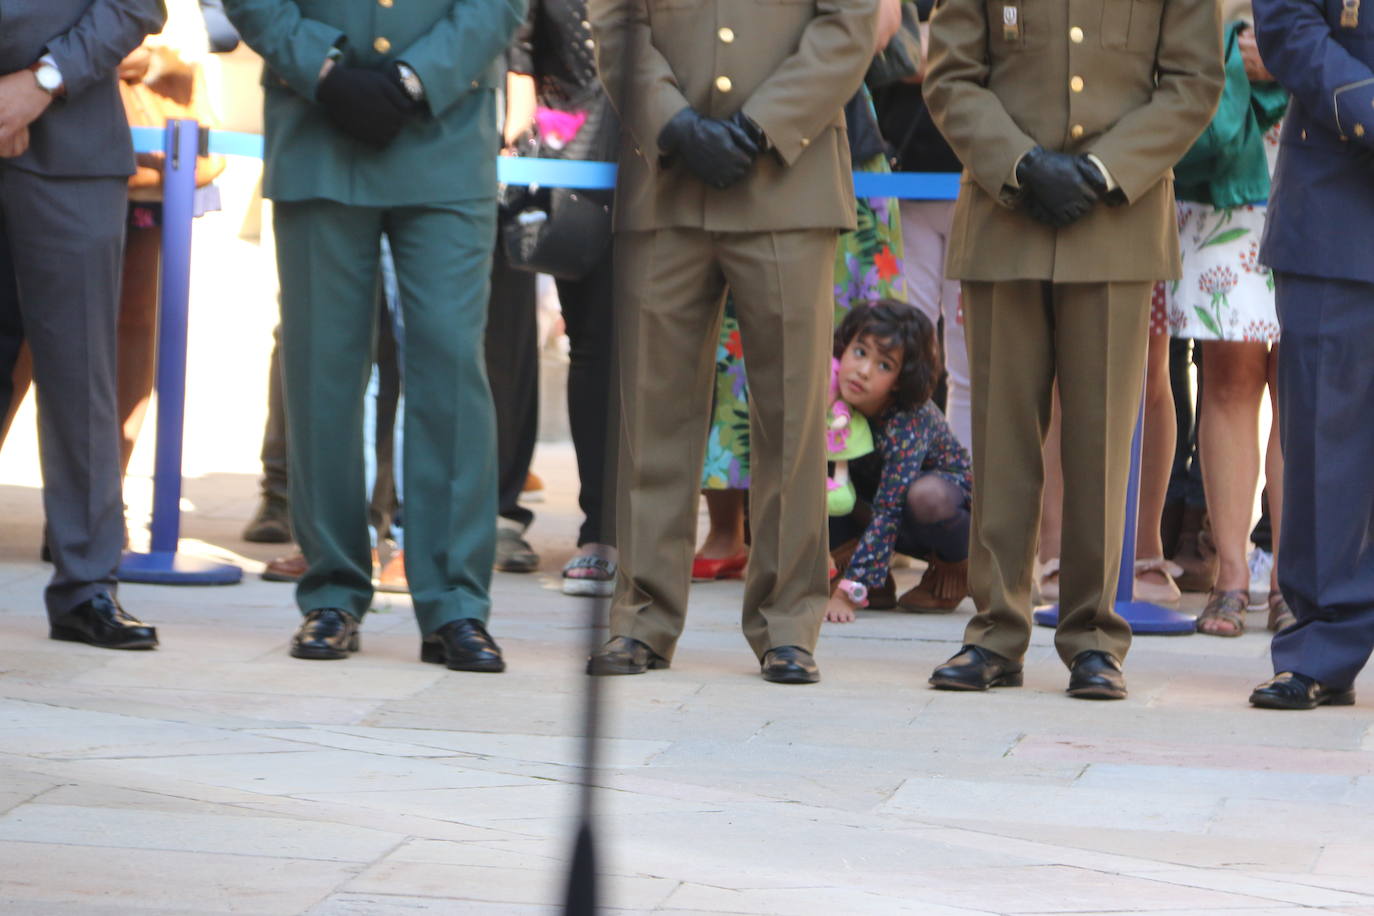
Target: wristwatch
(856,592)
(410,82)
(48,76)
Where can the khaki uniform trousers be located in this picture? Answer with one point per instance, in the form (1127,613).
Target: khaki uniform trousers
(1021,334)
(671,291)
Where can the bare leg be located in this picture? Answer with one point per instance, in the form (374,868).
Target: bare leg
(726,535)
(1273,463)
(1052,509)
(1046,586)
(22,376)
(1228,444)
(1157,453)
(137,335)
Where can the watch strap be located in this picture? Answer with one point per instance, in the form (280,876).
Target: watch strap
(856,592)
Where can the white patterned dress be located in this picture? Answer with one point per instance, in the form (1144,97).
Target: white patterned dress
(1225,293)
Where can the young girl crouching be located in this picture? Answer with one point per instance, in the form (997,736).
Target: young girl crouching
(914,490)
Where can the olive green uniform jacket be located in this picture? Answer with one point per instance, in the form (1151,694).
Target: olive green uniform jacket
(790,64)
(454,47)
(1132,82)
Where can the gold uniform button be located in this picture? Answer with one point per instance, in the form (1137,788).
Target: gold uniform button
(1076,131)
(727,35)
(1359,130)
(1304,135)
(473,84)
(388,4)
(723,83)
(1076,84)
(805,142)
(1076,35)
(381,45)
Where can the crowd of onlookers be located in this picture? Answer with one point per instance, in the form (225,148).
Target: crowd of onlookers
(900,427)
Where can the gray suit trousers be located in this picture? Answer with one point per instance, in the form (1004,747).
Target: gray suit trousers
(61,248)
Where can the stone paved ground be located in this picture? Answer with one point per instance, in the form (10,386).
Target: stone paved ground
(217,775)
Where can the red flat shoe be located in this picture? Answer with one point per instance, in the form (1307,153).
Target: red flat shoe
(706,569)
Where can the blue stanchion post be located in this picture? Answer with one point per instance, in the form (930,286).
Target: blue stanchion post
(163,564)
(1145,618)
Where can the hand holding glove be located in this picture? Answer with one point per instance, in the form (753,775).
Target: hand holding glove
(719,152)
(1060,187)
(368,105)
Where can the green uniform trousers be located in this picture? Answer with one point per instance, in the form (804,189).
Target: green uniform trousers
(1021,335)
(327,259)
(670,294)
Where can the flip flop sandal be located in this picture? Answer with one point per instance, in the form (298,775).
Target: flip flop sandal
(1281,616)
(598,585)
(1226,607)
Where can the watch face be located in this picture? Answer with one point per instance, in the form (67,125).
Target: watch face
(49,78)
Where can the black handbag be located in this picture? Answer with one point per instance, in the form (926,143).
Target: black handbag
(563,232)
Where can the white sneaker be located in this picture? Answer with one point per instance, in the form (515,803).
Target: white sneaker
(1261,568)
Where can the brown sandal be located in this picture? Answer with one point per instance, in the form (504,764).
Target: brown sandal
(1226,607)
(1281,616)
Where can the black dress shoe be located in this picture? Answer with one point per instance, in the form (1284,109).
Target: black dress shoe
(623,655)
(326,633)
(463,645)
(1290,690)
(976,668)
(1096,675)
(101,622)
(789,665)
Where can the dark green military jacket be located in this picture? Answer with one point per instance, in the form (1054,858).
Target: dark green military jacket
(454,46)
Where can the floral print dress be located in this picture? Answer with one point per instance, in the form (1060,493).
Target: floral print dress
(1224,293)
(868,265)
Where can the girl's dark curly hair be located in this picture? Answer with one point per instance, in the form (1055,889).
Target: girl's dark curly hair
(898,326)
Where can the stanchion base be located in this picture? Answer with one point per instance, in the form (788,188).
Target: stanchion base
(1145,619)
(164,568)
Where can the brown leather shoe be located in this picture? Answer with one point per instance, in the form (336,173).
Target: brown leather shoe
(940,590)
(288,568)
(392,578)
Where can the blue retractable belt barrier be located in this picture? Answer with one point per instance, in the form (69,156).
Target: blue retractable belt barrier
(563,173)
(162,564)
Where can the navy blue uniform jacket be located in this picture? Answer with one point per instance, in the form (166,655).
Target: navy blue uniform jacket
(1321,208)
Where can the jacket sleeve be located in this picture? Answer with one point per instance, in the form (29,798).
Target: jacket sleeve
(1144,144)
(294,47)
(223,36)
(1334,87)
(811,86)
(982,133)
(453,55)
(520,53)
(90,50)
(636,75)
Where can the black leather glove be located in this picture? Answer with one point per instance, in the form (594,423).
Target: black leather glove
(751,130)
(718,152)
(1095,177)
(367,105)
(1056,190)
